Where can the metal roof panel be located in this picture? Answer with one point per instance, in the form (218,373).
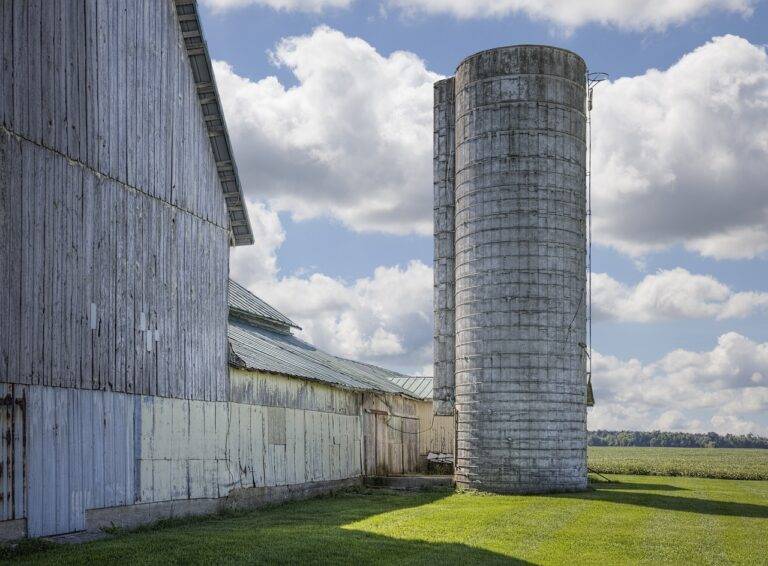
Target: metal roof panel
(242,300)
(265,350)
(419,386)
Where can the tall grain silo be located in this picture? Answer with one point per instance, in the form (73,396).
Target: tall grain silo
(519,274)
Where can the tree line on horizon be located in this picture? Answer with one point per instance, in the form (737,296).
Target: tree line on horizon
(674,439)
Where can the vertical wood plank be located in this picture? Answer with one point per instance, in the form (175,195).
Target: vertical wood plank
(7,258)
(29,310)
(79,45)
(121,59)
(72,108)
(33,54)
(130,310)
(107,338)
(101,81)
(5,77)
(91,38)
(37,447)
(131,93)
(120,234)
(60,71)
(100,446)
(20,67)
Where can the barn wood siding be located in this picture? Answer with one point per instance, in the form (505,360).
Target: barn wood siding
(109,85)
(74,450)
(155,275)
(390,434)
(110,205)
(436,433)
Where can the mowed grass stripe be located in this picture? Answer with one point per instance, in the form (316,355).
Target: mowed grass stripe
(603,531)
(633,520)
(748,536)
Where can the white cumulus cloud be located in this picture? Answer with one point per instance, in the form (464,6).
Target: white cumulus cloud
(680,156)
(671,295)
(352,140)
(314,6)
(722,389)
(569,14)
(385,318)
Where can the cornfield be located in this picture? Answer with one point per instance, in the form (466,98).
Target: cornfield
(722,463)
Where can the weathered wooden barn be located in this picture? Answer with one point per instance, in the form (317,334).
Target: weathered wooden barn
(437,433)
(129,389)
(351,414)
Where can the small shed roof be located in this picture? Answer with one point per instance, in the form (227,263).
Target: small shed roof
(258,348)
(420,387)
(244,304)
(208,93)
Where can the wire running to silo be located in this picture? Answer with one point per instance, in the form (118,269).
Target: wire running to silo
(389,417)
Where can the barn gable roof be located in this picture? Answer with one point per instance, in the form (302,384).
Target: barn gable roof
(260,339)
(258,348)
(245,305)
(207,92)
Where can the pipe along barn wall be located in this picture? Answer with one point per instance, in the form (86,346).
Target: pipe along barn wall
(436,433)
(520,270)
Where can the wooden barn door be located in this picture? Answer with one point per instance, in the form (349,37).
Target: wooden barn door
(12,452)
(370,437)
(390,443)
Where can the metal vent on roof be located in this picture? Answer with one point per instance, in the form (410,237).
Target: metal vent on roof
(200,63)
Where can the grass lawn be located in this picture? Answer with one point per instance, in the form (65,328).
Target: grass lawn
(730,463)
(631,520)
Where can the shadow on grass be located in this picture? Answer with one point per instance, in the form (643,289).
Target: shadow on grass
(632,486)
(307,532)
(630,494)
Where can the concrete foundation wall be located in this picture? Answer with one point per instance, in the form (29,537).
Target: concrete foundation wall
(131,516)
(520,267)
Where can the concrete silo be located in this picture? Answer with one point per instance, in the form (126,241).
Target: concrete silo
(444,222)
(519,268)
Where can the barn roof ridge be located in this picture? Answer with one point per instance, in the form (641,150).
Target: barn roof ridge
(243,303)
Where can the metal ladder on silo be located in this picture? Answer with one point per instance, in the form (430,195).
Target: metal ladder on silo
(592,80)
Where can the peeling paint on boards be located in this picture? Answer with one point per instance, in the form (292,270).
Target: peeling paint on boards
(98,449)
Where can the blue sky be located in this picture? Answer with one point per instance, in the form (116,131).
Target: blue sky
(681,212)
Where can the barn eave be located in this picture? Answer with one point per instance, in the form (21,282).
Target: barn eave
(218,135)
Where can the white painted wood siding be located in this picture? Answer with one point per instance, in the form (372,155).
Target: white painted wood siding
(74,449)
(436,433)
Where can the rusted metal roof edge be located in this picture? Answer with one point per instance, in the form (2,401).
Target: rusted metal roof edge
(323,382)
(259,349)
(218,134)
